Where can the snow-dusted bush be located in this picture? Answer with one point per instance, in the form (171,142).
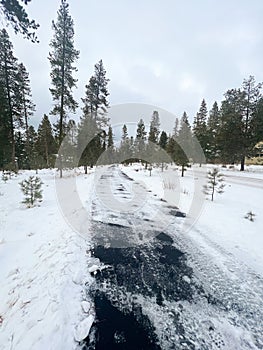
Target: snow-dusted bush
(214,183)
(32,190)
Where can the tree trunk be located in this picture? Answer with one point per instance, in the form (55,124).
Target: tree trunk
(46,152)
(13,154)
(60,165)
(242,164)
(213,188)
(85,169)
(26,125)
(182,170)
(62,96)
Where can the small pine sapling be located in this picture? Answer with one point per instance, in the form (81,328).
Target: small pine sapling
(32,190)
(250,216)
(215,183)
(150,170)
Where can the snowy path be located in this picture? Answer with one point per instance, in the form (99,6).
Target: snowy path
(191,292)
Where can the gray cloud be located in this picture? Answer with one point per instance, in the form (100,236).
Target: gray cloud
(169,53)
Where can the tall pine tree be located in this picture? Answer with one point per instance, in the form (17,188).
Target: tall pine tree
(62,58)
(45,143)
(89,144)
(94,118)
(257,121)
(95,100)
(5,127)
(230,135)
(213,128)
(252,94)
(125,149)
(27,105)
(140,139)
(163,140)
(154,128)
(10,94)
(199,127)
(184,144)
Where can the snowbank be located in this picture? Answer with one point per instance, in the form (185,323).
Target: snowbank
(40,257)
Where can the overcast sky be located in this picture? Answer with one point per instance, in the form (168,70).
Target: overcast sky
(165,53)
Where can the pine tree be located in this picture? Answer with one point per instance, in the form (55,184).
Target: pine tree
(163,140)
(109,155)
(162,156)
(230,136)
(72,132)
(35,159)
(215,183)
(27,106)
(213,128)
(94,117)
(110,138)
(32,190)
(180,147)
(176,127)
(5,127)
(199,127)
(88,145)
(140,140)
(171,147)
(237,135)
(45,143)
(16,15)
(257,122)
(61,59)
(252,92)
(10,95)
(154,128)
(124,135)
(21,152)
(125,150)
(95,100)
(183,143)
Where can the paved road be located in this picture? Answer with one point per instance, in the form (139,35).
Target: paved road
(235,178)
(244,180)
(160,290)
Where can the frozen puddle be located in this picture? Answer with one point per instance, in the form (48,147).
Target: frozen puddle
(157,288)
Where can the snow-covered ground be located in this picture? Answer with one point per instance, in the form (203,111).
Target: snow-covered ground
(43,271)
(46,265)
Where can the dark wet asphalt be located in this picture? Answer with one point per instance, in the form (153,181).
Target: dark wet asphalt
(142,297)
